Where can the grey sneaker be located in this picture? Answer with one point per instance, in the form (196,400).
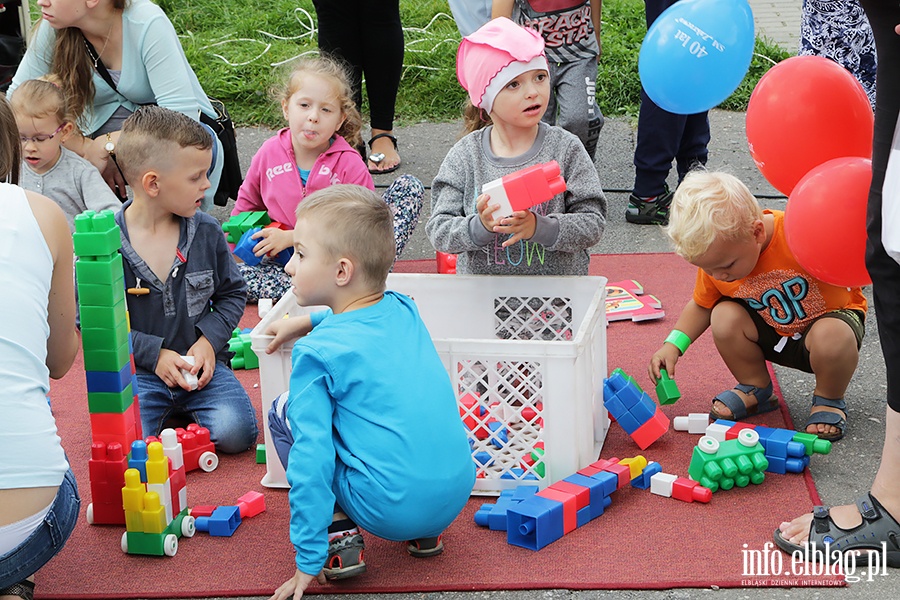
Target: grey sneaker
(345,557)
(651,211)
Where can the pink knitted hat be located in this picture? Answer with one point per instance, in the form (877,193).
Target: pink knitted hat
(494,55)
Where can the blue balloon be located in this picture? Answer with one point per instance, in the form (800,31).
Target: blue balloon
(696,54)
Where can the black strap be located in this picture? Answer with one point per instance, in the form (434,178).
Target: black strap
(98,64)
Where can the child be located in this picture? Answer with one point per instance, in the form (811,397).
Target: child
(503,68)
(185,294)
(760,303)
(370,422)
(571,32)
(315,150)
(48,167)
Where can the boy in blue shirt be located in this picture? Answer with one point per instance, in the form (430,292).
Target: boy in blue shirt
(369,431)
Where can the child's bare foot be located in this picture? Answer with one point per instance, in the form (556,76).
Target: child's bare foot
(742,401)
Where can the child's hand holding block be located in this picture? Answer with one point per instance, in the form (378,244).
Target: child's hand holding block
(189,377)
(525,188)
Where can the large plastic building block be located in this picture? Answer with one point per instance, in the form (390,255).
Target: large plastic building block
(722,465)
(787,451)
(692,423)
(237,225)
(525,188)
(100,271)
(446,263)
(251,504)
(535,523)
(199,451)
(244,356)
(493,516)
(626,300)
(680,488)
(633,409)
(96,234)
(160,544)
(260,454)
(666,389)
(221,523)
(244,248)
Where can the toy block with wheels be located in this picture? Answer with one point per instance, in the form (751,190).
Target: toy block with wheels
(633,409)
(525,188)
(525,356)
(722,465)
(787,451)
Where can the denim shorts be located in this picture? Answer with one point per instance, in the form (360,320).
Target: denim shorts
(47,540)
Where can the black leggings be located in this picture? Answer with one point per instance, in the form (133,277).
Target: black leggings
(368,36)
(885,272)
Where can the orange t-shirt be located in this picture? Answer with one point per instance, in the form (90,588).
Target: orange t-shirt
(785,295)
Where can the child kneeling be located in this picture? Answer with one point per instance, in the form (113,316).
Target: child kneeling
(369,431)
(760,303)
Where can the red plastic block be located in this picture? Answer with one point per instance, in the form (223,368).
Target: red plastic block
(581,493)
(202,510)
(651,431)
(446,263)
(732,433)
(623,472)
(251,504)
(690,491)
(569,504)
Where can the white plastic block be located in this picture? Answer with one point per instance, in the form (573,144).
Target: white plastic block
(264,305)
(499,197)
(188,377)
(526,357)
(717,431)
(693,423)
(661,484)
(172,448)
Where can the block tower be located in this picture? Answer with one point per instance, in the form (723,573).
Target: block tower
(108,361)
(155,498)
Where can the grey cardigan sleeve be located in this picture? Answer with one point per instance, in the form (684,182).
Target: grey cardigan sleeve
(451,228)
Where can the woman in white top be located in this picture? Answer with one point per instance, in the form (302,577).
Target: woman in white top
(39,500)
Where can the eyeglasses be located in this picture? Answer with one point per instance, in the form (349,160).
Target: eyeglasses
(41,137)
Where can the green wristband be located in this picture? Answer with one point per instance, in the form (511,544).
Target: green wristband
(680,340)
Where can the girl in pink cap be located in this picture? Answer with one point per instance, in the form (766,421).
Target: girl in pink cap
(503,68)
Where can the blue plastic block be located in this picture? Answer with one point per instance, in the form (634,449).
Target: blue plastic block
(595,486)
(776,443)
(614,405)
(609,480)
(109,381)
(629,395)
(500,437)
(284,256)
(644,409)
(764,433)
(796,465)
(483,514)
(725,422)
(483,458)
(583,516)
(534,523)
(222,523)
(628,422)
(523,492)
(795,449)
(138,458)
(776,465)
(598,508)
(244,248)
(642,481)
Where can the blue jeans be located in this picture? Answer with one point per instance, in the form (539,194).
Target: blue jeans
(222,406)
(47,540)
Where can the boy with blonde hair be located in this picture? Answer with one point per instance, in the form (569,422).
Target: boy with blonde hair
(760,304)
(369,431)
(185,294)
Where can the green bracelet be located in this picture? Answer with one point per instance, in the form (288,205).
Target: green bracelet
(680,340)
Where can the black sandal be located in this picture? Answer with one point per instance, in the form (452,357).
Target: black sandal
(24,590)
(826,417)
(379,156)
(878,527)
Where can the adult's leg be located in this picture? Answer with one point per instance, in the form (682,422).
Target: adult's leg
(341,27)
(885,273)
(694,148)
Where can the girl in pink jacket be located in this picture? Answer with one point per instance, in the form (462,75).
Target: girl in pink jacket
(314,151)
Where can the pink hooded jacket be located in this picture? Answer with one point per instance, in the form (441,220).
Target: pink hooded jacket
(273,184)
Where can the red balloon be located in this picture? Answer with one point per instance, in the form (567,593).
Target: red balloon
(805,111)
(825,221)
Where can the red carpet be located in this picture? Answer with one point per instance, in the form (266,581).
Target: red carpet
(641,542)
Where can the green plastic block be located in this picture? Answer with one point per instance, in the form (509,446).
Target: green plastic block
(814,445)
(244,356)
(157,544)
(666,389)
(96,234)
(239,224)
(260,454)
(92,294)
(734,463)
(111,360)
(539,468)
(104,317)
(105,271)
(110,402)
(104,339)
(628,377)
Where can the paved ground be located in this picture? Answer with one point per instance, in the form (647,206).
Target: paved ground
(841,476)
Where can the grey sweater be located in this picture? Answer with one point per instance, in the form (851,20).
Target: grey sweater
(567,224)
(74,184)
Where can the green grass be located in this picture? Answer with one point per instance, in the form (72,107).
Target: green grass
(236,49)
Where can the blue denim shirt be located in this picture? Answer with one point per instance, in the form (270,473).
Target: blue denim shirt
(204,294)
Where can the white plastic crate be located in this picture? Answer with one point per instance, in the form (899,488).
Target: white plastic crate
(526,356)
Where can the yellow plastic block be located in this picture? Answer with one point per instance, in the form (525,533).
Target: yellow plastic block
(133,492)
(154,514)
(635,465)
(157,463)
(134,521)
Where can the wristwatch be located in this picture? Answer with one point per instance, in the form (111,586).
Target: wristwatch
(110,146)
